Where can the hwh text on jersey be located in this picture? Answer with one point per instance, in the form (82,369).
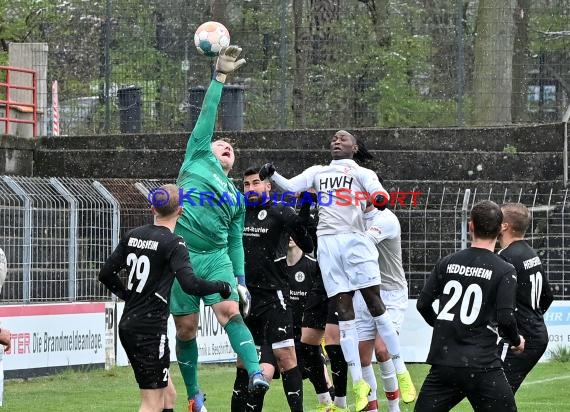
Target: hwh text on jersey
(335,182)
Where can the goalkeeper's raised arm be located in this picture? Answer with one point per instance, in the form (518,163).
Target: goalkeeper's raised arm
(201,137)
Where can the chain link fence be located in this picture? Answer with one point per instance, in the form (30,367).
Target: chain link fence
(58,232)
(126,66)
(437,226)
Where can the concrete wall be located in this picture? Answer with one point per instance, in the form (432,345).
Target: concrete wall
(16,156)
(519,153)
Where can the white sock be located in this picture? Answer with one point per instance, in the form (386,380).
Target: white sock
(370,378)
(349,345)
(390,383)
(399,364)
(324,397)
(340,401)
(388,333)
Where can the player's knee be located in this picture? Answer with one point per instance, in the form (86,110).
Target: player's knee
(225,311)
(373,301)
(344,311)
(285,354)
(382,355)
(186,326)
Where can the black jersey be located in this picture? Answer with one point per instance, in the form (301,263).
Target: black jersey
(534,295)
(265,238)
(153,256)
(473,286)
(301,279)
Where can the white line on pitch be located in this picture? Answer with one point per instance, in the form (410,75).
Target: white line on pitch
(556,378)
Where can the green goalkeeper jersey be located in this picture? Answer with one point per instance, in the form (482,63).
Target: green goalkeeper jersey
(213,215)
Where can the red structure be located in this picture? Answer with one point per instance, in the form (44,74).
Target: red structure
(23,107)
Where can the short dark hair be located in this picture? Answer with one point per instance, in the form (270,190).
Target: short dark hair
(517,215)
(251,170)
(486,218)
(172,204)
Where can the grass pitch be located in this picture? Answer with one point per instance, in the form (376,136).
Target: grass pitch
(545,389)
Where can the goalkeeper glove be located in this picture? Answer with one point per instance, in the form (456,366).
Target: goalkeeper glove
(266,171)
(244,296)
(227,63)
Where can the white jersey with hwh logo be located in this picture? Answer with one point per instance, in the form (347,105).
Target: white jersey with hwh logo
(342,188)
(383,227)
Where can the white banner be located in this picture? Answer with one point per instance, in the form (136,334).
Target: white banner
(54,335)
(557,320)
(415,337)
(79,334)
(110,334)
(213,342)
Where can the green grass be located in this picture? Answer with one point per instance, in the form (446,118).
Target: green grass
(545,389)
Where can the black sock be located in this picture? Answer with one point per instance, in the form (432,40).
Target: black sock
(240,393)
(314,366)
(293,387)
(339,369)
(255,401)
(168,410)
(332,392)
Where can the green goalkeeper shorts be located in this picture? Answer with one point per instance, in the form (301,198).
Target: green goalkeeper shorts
(214,265)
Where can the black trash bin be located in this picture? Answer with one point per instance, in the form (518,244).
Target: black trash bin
(230,110)
(232,107)
(130,109)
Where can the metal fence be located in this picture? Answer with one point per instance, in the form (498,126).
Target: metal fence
(437,226)
(311,64)
(57,233)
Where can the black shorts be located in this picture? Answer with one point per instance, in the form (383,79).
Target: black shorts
(149,356)
(446,386)
(315,313)
(270,320)
(518,365)
(332,315)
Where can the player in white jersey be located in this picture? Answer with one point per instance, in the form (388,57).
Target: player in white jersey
(383,227)
(346,256)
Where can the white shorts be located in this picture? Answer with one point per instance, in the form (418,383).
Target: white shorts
(396,302)
(348,262)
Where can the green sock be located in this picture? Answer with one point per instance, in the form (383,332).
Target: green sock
(187,356)
(242,343)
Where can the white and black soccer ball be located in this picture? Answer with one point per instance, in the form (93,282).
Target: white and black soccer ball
(210,37)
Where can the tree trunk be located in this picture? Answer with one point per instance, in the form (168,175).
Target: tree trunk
(378,10)
(520,63)
(218,11)
(492,77)
(161,37)
(301,55)
(324,13)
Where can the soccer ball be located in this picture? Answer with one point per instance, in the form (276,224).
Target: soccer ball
(211,37)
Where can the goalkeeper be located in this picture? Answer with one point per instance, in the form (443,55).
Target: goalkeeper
(213,233)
